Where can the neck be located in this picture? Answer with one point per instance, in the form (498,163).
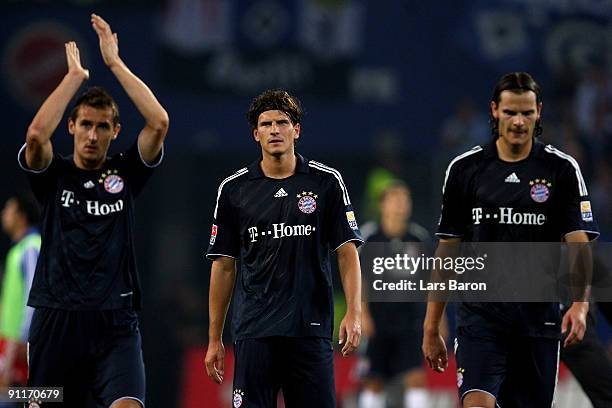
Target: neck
(513,153)
(393,228)
(87,164)
(280,166)
(19,233)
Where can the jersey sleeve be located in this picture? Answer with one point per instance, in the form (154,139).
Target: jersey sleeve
(342,221)
(139,171)
(225,233)
(452,223)
(574,210)
(42,181)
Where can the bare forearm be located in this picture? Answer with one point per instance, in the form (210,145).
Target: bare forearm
(221,285)
(433,317)
(350,274)
(52,110)
(155,115)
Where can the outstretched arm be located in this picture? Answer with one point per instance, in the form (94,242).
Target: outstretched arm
(39,152)
(152,136)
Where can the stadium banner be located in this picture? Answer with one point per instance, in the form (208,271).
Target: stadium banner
(487,272)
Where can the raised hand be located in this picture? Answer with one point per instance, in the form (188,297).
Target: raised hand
(73,57)
(109,43)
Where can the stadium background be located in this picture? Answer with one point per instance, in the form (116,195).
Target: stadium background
(387,86)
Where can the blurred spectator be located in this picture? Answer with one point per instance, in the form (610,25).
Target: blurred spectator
(19,218)
(394,345)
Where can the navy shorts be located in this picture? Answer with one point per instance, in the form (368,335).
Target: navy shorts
(89,353)
(519,371)
(393,355)
(302,367)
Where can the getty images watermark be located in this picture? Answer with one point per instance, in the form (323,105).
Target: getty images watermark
(486,272)
(411,265)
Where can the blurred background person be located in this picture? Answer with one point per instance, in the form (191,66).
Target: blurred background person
(394,330)
(20,217)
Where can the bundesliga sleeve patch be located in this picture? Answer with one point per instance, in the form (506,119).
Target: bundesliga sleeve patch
(350,216)
(585,211)
(213,235)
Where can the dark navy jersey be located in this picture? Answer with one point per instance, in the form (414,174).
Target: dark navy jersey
(87,259)
(539,199)
(281,231)
(400,318)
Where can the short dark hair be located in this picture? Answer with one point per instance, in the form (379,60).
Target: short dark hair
(517,82)
(98,98)
(275,99)
(395,184)
(28,206)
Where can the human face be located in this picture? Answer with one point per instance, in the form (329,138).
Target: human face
(10,217)
(93,131)
(516,115)
(275,133)
(396,205)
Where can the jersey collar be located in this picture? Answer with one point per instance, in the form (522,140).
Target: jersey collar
(490,149)
(301,166)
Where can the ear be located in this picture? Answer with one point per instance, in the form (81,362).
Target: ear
(71,126)
(116,131)
(494,111)
(297,129)
(255,135)
(539,110)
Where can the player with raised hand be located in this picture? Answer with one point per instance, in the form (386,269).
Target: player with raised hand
(84,334)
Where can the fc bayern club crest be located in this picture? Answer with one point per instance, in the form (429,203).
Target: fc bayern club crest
(540,190)
(113,183)
(237,400)
(307,202)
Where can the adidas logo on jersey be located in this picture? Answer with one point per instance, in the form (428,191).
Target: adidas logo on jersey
(513,178)
(89,184)
(281,193)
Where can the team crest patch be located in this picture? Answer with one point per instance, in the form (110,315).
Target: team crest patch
(350,216)
(585,211)
(213,235)
(113,183)
(307,202)
(540,190)
(460,372)
(237,400)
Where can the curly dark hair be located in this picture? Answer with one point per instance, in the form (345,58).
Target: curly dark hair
(275,99)
(98,98)
(517,82)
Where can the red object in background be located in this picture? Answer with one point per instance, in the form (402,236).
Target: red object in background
(20,365)
(200,391)
(35,60)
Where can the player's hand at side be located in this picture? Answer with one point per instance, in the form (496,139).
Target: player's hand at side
(214,361)
(350,333)
(575,318)
(73,58)
(109,43)
(434,351)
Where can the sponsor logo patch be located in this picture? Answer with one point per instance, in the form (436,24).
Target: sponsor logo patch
(513,178)
(540,190)
(281,193)
(585,211)
(350,216)
(307,202)
(213,234)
